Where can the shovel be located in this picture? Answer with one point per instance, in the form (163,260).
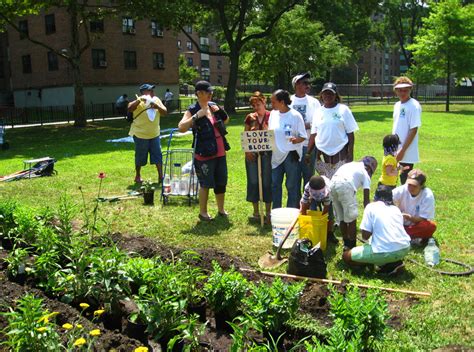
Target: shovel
(270,261)
(130,195)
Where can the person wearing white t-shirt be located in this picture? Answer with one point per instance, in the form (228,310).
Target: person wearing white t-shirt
(406,121)
(332,131)
(382,225)
(417,204)
(290,134)
(344,185)
(306,105)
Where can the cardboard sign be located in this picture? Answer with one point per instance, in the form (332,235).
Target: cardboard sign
(257,141)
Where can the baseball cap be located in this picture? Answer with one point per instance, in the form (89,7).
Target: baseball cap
(146,86)
(329,86)
(403,85)
(371,163)
(416,177)
(204,86)
(300,76)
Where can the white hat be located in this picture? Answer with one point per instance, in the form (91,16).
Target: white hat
(298,77)
(403,85)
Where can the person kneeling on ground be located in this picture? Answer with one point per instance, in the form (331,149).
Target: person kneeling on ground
(417,204)
(317,194)
(382,225)
(344,185)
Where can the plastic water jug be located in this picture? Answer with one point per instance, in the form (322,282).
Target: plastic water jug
(288,133)
(184,185)
(175,185)
(431,253)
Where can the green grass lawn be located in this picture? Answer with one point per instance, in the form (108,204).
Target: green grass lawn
(446,153)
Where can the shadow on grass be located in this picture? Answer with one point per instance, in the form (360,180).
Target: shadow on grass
(211,228)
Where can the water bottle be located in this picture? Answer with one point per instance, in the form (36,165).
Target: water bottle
(288,133)
(167,184)
(175,184)
(184,185)
(431,253)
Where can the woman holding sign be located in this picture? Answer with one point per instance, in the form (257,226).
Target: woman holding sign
(258,121)
(290,134)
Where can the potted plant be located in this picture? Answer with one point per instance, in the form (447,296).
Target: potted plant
(225,291)
(273,305)
(148,190)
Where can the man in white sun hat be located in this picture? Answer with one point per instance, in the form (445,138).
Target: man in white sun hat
(406,121)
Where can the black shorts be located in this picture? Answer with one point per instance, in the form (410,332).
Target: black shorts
(211,173)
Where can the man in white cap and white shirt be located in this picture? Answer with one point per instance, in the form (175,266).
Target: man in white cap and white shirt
(406,121)
(307,106)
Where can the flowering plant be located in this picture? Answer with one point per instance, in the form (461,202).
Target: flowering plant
(147,186)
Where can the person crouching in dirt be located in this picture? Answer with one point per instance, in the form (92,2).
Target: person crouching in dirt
(382,225)
(317,193)
(207,121)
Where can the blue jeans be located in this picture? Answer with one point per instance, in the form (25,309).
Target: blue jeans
(307,170)
(251,168)
(292,169)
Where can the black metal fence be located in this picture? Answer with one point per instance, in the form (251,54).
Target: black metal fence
(352,94)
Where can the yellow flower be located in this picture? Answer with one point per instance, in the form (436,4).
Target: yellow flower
(84,305)
(44,319)
(95,332)
(52,315)
(141,349)
(79,342)
(79,326)
(67,326)
(41,329)
(99,312)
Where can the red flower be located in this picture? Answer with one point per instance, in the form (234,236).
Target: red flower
(102,175)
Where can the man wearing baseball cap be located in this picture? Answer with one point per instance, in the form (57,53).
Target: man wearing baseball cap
(417,205)
(145,129)
(307,106)
(406,121)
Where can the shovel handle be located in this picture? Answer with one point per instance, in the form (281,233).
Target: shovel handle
(288,231)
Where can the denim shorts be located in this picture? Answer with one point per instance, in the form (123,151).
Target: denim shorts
(143,147)
(212,172)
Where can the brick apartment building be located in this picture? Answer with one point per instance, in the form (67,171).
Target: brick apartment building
(124,53)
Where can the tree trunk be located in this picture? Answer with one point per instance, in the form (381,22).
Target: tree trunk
(229,101)
(448,83)
(79,109)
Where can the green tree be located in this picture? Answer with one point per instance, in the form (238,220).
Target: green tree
(187,74)
(402,21)
(445,44)
(293,48)
(80,39)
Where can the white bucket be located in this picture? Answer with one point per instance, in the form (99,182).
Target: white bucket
(281,221)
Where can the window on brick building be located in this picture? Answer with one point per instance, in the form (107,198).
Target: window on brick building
(158,61)
(130,60)
(96,26)
(50,24)
(188,29)
(190,61)
(98,58)
(23,27)
(189,45)
(53,64)
(156,29)
(128,25)
(26,63)
(179,44)
(205,63)
(219,64)
(219,78)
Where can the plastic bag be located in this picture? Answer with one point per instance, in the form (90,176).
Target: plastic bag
(306,261)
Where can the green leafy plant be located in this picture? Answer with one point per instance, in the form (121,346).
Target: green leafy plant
(225,290)
(147,186)
(17,261)
(273,305)
(7,219)
(142,271)
(189,332)
(65,214)
(30,328)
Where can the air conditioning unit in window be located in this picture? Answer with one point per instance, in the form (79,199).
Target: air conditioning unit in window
(132,31)
(161,65)
(102,63)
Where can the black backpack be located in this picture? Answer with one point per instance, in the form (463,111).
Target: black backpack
(306,261)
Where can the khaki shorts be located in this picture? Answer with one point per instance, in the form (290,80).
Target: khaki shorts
(364,254)
(344,201)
